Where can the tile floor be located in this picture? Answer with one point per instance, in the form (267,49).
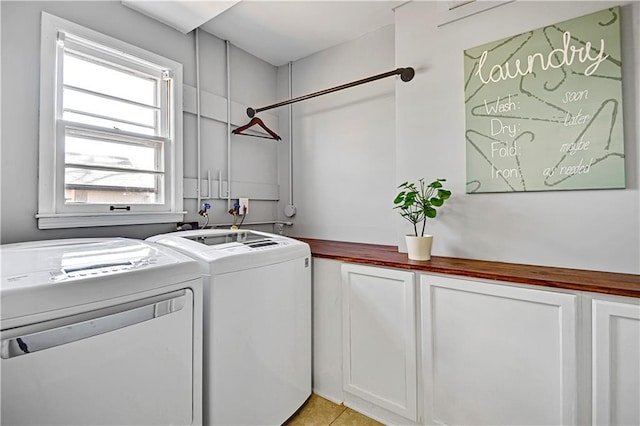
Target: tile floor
(321,412)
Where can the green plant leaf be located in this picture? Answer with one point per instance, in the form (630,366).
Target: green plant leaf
(417,202)
(444,194)
(410,199)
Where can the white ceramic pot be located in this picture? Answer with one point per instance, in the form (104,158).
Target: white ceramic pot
(419,248)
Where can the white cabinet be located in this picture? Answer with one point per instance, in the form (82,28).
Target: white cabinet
(497,354)
(456,350)
(379,340)
(615,363)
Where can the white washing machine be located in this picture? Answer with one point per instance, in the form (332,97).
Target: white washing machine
(100,332)
(257,323)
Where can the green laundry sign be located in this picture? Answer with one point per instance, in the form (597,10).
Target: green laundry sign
(544,108)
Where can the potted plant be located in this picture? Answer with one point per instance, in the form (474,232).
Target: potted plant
(417,203)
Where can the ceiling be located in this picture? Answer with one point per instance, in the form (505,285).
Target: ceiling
(276,31)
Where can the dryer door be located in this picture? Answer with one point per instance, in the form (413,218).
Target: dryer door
(122,365)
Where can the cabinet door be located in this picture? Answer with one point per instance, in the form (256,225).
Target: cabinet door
(379,337)
(616,363)
(497,354)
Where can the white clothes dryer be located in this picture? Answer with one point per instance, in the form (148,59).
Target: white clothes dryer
(257,323)
(100,331)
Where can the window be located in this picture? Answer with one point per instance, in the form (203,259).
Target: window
(110,131)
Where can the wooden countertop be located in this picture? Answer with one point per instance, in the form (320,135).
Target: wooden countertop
(571,279)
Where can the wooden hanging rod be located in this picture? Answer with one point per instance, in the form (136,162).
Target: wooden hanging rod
(406,74)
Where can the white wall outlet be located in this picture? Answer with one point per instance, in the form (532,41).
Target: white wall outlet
(244,205)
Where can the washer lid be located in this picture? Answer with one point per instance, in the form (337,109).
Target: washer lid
(61,258)
(40,276)
(220,251)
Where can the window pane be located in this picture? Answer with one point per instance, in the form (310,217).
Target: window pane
(107,187)
(108,108)
(103,79)
(91,152)
(109,124)
(89,156)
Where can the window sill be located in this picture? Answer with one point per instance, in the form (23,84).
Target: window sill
(57,221)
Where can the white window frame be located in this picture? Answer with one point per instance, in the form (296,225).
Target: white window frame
(52,211)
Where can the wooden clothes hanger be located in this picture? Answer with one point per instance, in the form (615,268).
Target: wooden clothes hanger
(256,121)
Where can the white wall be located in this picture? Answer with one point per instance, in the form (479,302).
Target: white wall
(252,80)
(347,164)
(351,148)
(343,142)
(596,230)
(345,176)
